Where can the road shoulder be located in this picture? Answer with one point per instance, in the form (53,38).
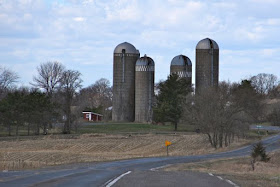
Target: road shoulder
(238,170)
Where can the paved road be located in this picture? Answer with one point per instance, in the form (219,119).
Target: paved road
(103,174)
(178,179)
(268,128)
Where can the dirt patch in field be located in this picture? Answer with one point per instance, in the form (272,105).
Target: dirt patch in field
(55,150)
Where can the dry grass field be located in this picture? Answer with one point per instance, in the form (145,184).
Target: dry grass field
(239,170)
(55,150)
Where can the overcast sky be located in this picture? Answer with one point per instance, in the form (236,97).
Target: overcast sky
(82,34)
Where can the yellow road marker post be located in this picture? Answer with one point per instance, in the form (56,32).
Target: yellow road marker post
(167,144)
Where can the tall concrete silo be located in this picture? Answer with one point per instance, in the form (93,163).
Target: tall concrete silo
(182,66)
(144,89)
(125,57)
(207,64)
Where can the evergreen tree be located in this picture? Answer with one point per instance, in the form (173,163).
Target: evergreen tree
(259,152)
(249,100)
(39,111)
(12,109)
(171,99)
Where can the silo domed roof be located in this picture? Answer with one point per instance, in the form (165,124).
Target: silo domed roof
(181,60)
(145,61)
(129,48)
(207,43)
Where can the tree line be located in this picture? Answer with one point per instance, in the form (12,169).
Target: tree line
(222,113)
(55,97)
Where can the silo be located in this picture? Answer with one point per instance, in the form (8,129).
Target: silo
(182,66)
(125,57)
(144,89)
(207,64)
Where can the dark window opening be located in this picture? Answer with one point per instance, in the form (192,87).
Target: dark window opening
(211,44)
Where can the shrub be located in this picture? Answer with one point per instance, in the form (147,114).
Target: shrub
(259,152)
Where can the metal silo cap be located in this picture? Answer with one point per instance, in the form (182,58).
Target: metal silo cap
(181,60)
(207,43)
(129,48)
(145,61)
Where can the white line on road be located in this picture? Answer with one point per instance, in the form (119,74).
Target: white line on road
(154,169)
(232,183)
(116,179)
(228,181)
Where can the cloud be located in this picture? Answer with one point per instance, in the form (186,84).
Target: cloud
(83,34)
(79,19)
(239,64)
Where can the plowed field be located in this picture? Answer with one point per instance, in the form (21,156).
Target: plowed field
(53,150)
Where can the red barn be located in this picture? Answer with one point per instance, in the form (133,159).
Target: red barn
(91,116)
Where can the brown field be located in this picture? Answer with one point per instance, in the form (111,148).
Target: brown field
(239,170)
(55,150)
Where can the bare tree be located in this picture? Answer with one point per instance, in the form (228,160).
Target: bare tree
(264,83)
(70,83)
(49,76)
(274,116)
(7,79)
(275,92)
(103,90)
(216,113)
(98,97)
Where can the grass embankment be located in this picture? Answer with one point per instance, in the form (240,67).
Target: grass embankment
(22,131)
(117,128)
(239,170)
(255,134)
(106,127)
(114,128)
